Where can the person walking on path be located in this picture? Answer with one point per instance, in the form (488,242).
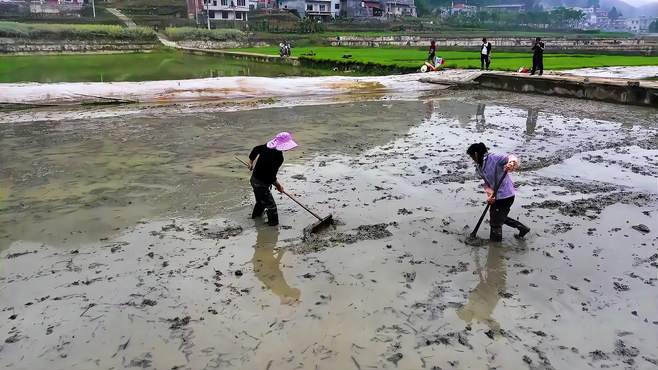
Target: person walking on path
(268,158)
(537,57)
(492,169)
(432,53)
(485,54)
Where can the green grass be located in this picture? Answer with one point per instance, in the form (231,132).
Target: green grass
(190,33)
(157,65)
(74,31)
(410,58)
(466,32)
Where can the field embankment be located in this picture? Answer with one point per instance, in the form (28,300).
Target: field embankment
(31,38)
(412,58)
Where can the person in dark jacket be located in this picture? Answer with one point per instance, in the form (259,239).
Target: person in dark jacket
(485,54)
(537,57)
(432,52)
(268,158)
(491,167)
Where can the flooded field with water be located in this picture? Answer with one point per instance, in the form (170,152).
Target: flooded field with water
(153,66)
(125,238)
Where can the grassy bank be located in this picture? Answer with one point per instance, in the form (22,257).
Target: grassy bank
(190,33)
(409,57)
(74,31)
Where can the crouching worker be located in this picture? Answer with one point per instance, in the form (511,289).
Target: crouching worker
(491,167)
(268,158)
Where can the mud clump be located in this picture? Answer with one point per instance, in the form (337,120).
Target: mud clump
(312,243)
(218,232)
(178,323)
(363,232)
(454,177)
(18,254)
(641,228)
(581,207)
(592,187)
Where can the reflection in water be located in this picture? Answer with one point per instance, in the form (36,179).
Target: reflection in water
(483,299)
(266,262)
(531,121)
(480,122)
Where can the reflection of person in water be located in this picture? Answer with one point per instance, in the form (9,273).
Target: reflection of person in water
(483,299)
(266,265)
(480,122)
(531,121)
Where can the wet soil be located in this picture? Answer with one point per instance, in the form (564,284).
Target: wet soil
(125,241)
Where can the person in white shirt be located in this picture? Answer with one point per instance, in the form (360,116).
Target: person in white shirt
(485,54)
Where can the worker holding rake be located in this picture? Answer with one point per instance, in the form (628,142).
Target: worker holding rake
(268,159)
(493,169)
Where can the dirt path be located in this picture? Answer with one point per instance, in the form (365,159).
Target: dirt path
(127,21)
(125,241)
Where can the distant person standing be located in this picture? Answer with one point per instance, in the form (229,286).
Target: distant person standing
(537,57)
(485,54)
(432,52)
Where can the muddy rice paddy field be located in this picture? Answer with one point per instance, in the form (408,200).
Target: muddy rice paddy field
(125,240)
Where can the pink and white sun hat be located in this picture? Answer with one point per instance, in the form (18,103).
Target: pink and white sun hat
(282,141)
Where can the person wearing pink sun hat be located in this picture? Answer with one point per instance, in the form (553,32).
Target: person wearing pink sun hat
(268,158)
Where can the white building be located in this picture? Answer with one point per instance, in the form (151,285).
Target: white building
(315,9)
(638,24)
(398,8)
(227,10)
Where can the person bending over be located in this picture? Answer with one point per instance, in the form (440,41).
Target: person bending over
(268,158)
(491,168)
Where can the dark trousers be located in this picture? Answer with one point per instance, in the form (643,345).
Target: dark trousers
(498,217)
(430,58)
(537,64)
(264,198)
(484,61)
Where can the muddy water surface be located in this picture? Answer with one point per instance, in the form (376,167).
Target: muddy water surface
(126,243)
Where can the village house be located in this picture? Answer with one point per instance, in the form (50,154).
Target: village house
(56,6)
(219,10)
(510,8)
(377,8)
(315,9)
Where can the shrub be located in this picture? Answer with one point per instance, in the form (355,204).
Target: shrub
(190,33)
(74,31)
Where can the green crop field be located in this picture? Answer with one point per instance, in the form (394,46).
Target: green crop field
(410,57)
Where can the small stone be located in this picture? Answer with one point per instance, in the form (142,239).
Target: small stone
(238,272)
(641,228)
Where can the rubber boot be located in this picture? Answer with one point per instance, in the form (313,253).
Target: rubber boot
(258,211)
(496,234)
(272,217)
(523,230)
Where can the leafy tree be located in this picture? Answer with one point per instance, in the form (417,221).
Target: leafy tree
(614,13)
(653,27)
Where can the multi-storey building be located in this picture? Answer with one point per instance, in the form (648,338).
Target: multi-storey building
(315,9)
(219,10)
(377,8)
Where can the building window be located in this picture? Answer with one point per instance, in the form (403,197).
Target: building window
(309,6)
(337,6)
(322,8)
(241,3)
(238,15)
(224,2)
(211,14)
(214,3)
(224,15)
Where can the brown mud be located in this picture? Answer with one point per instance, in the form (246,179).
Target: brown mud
(125,240)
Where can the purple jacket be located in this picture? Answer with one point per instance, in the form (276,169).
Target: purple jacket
(491,172)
